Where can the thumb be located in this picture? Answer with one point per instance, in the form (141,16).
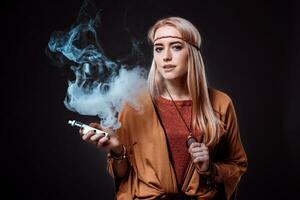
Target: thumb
(95,125)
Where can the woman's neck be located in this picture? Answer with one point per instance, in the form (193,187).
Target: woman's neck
(177,89)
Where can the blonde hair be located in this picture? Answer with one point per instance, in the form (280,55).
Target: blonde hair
(203,115)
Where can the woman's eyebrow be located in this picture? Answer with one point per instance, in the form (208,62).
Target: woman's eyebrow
(158,44)
(171,43)
(177,42)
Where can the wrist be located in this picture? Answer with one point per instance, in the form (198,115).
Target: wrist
(117,150)
(118,154)
(207,171)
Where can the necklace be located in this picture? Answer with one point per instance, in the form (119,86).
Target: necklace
(190,139)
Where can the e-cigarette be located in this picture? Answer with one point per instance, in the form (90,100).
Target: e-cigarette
(86,128)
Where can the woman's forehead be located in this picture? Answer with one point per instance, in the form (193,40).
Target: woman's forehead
(165,32)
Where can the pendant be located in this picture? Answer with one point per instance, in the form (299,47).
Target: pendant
(190,140)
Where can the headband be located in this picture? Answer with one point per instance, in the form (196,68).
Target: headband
(169,36)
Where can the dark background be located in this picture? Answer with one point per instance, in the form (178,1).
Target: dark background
(250,49)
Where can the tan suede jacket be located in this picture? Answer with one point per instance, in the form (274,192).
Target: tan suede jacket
(151,174)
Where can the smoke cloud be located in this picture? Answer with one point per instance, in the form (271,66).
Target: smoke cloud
(101,86)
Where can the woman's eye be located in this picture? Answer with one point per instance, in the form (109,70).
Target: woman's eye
(158,49)
(177,47)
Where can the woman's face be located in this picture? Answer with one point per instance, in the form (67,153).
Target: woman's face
(170,54)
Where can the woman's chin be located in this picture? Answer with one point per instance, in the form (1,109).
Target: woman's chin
(172,77)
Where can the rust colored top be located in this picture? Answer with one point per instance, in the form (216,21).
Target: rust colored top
(177,132)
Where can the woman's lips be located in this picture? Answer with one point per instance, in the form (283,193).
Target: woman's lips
(169,66)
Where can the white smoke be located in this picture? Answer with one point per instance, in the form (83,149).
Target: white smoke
(106,105)
(102,86)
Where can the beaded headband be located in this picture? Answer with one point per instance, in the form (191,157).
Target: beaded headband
(169,36)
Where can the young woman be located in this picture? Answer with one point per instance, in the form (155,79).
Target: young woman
(184,142)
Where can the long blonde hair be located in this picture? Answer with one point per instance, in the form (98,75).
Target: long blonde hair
(203,116)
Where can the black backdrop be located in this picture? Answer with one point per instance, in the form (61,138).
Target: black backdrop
(251,51)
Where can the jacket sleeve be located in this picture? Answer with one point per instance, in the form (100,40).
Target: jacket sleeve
(233,162)
(124,140)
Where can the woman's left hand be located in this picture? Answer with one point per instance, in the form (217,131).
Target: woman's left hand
(200,155)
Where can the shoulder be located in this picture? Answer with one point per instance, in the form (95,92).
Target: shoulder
(136,116)
(138,103)
(220,101)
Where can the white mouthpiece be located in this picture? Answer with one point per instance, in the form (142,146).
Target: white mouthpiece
(71,122)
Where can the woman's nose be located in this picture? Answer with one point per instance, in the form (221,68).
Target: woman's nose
(167,56)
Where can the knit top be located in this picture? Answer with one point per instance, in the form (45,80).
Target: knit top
(177,132)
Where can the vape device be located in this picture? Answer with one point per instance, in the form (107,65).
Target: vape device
(86,128)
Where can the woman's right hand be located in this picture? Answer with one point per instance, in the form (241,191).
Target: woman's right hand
(109,142)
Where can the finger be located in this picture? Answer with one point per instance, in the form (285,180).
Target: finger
(202,147)
(193,145)
(201,159)
(103,141)
(196,149)
(199,154)
(95,125)
(95,137)
(88,135)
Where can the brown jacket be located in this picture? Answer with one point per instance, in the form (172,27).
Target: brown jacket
(152,175)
